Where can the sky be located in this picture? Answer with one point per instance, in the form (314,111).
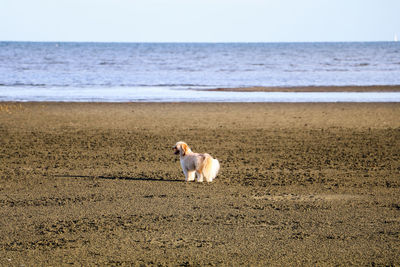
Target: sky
(199,20)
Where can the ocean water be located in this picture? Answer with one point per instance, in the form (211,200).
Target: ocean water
(177,71)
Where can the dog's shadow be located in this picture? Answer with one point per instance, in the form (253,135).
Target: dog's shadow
(118,178)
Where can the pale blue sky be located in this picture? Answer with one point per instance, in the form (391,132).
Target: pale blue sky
(199,20)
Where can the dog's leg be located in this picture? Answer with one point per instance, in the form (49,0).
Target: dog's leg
(199,177)
(186,174)
(190,176)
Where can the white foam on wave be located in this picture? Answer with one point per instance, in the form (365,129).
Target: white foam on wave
(162,94)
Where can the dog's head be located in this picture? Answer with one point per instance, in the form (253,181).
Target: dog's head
(181,148)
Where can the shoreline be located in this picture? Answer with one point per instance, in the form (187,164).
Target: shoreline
(311,94)
(311,89)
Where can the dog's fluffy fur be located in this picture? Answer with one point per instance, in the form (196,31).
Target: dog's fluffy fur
(203,165)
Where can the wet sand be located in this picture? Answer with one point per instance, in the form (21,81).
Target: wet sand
(300,184)
(306,89)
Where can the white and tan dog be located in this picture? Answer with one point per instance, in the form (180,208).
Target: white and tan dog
(203,165)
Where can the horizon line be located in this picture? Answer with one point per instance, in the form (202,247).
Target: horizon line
(192,42)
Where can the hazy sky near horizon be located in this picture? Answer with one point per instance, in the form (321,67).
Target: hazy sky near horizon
(199,20)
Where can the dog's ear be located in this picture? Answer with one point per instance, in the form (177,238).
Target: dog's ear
(184,148)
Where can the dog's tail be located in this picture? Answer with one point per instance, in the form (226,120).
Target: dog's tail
(211,168)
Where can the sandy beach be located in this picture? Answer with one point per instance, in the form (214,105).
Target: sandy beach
(300,184)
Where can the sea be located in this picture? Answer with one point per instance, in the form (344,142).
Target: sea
(175,72)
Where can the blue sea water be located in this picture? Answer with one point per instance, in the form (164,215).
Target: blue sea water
(170,71)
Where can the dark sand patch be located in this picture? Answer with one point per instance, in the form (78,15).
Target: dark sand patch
(300,184)
(305,89)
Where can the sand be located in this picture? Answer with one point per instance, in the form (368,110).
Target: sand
(300,184)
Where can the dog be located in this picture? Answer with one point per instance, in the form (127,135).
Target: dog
(203,165)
